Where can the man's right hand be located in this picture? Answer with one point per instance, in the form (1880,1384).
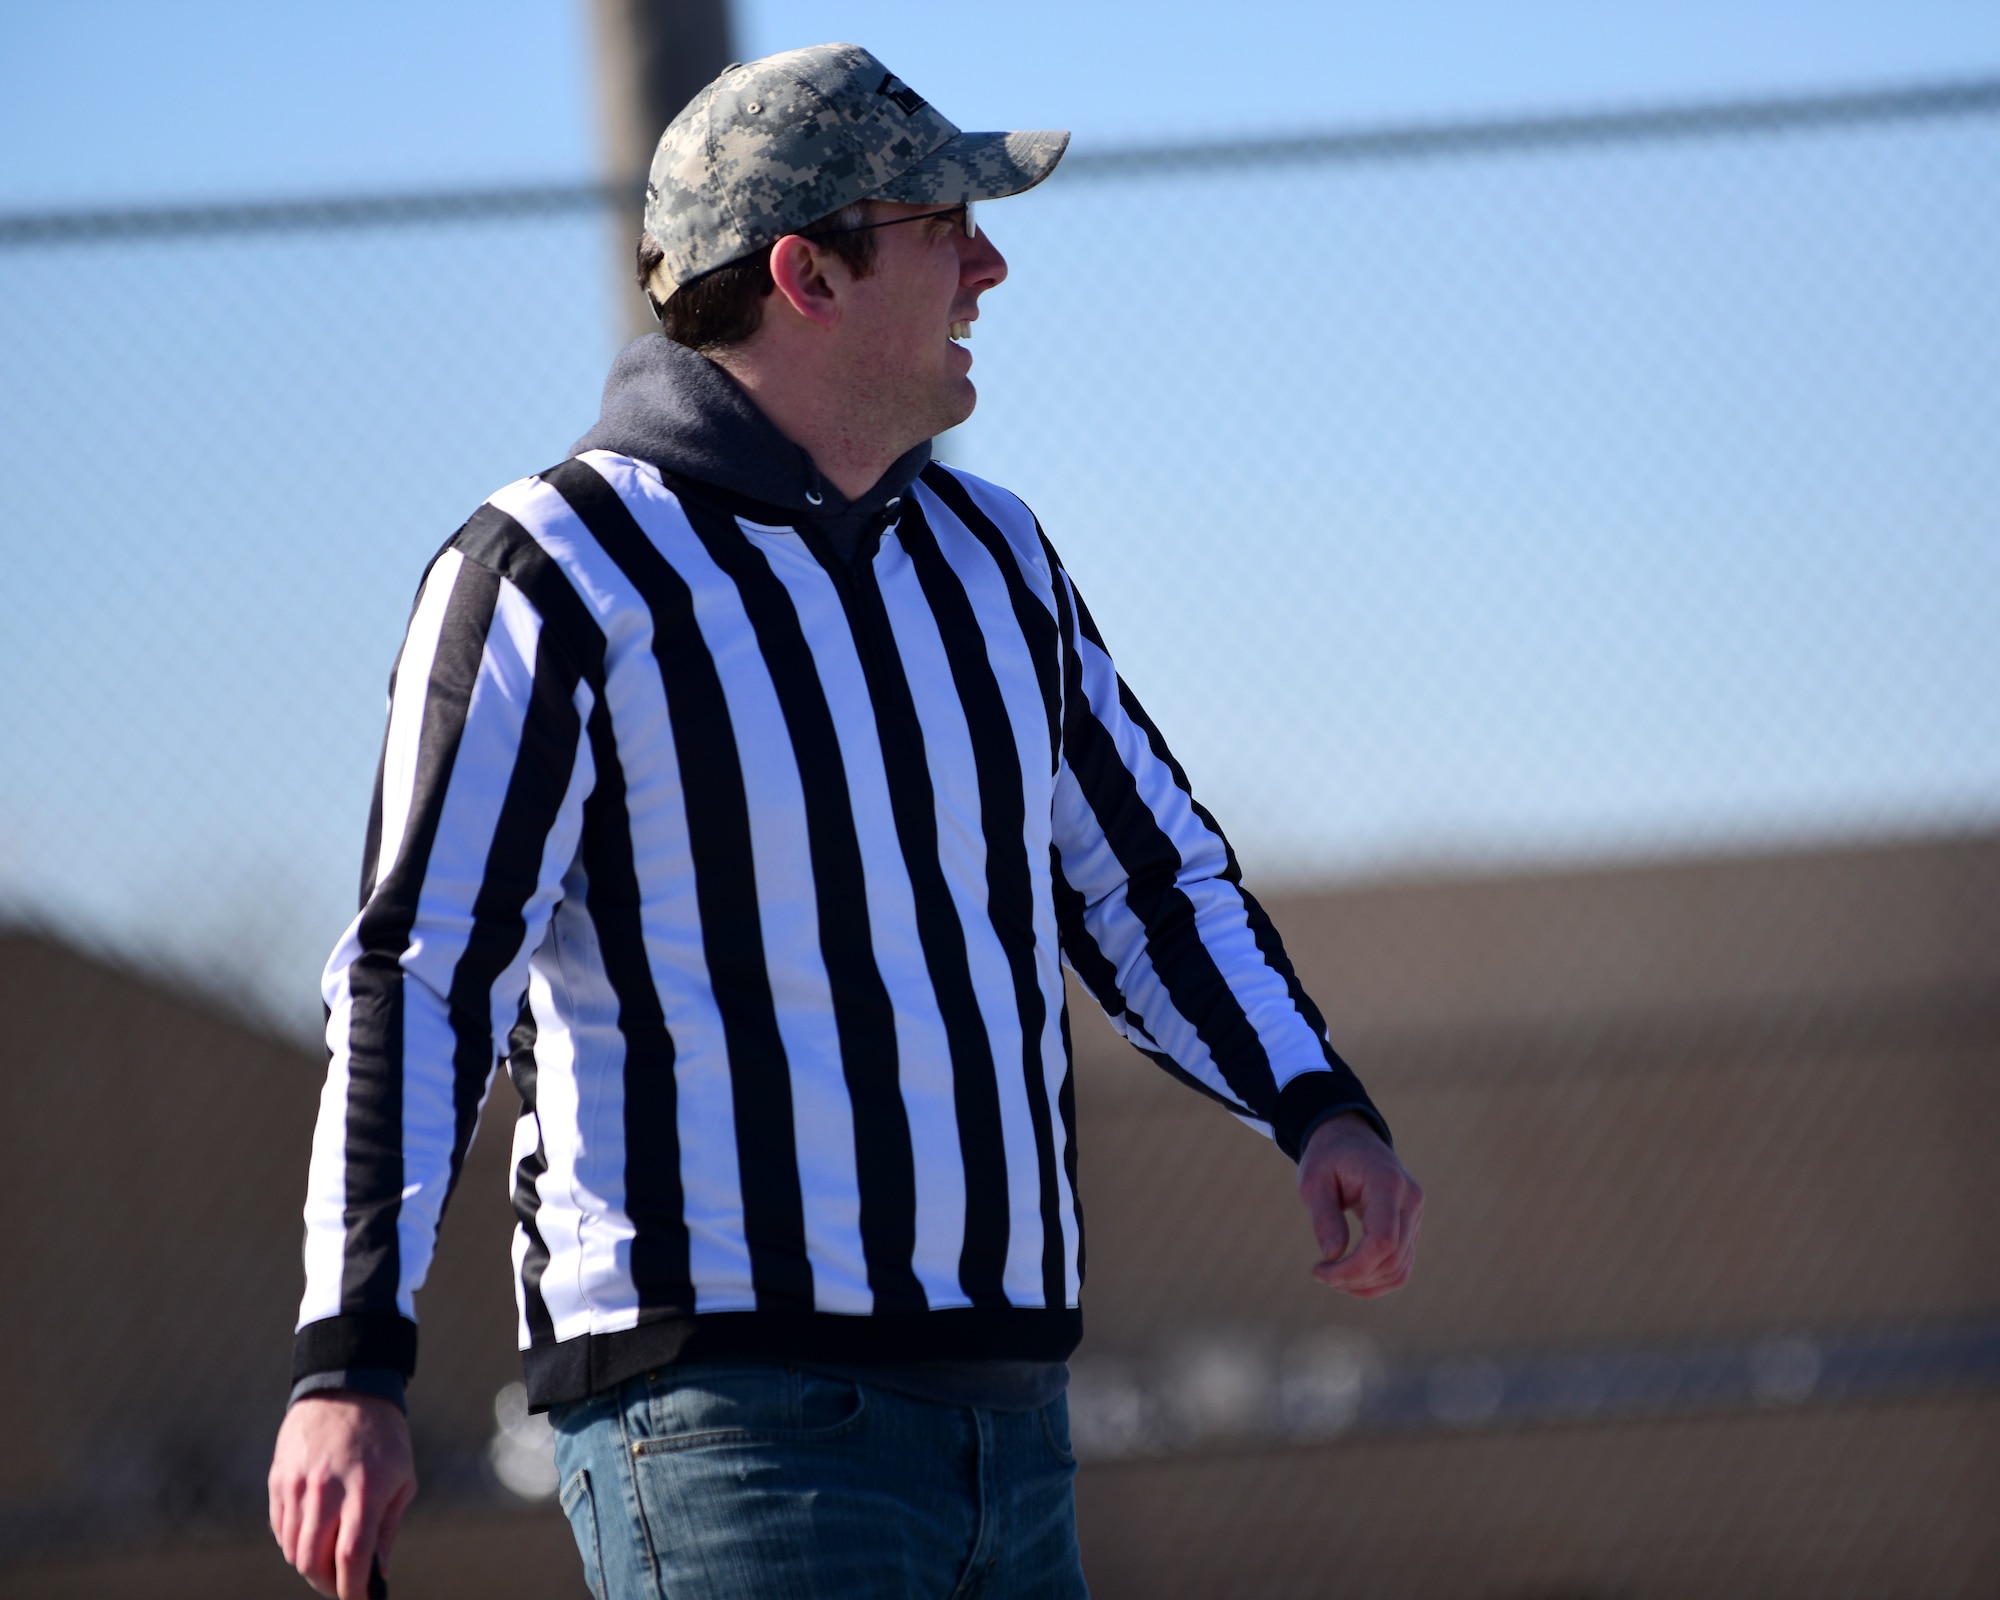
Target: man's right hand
(341,1478)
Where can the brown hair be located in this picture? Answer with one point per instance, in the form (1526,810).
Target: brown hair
(726,306)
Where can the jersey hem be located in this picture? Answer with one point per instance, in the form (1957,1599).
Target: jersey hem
(591,1363)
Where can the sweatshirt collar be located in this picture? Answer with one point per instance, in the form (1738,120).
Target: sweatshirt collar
(673,407)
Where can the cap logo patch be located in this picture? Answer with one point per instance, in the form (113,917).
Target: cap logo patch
(902,94)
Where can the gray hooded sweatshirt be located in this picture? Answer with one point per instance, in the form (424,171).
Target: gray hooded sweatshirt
(666,404)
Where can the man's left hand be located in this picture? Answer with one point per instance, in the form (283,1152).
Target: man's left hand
(1346,1167)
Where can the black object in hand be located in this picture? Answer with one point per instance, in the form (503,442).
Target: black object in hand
(378,1586)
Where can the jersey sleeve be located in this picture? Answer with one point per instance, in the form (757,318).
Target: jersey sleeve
(1156,922)
(476,816)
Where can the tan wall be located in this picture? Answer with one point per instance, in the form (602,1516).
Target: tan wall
(1692,938)
(1649,1106)
(1713,1098)
(158,1164)
(1725,1191)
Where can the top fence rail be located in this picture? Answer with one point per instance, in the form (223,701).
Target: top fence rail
(1773,114)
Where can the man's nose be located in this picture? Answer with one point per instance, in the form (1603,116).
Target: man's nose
(980,263)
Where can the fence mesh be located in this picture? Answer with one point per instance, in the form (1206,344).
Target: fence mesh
(1564,554)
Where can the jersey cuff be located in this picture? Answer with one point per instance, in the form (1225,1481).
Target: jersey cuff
(353,1342)
(1312,1097)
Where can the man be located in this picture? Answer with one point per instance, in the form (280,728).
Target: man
(748,778)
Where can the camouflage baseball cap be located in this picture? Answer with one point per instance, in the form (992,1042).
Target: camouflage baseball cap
(772,146)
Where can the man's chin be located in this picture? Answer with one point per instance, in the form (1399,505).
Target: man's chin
(959,404)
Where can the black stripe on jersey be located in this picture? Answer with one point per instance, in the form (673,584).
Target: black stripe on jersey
(1101,979)
(1091,964)
(522,1068)
(654,1201)
(982,1258)
(725,882)
(1152,864)
(1098,973)
(371,848)
(374,1143)
(1066,1106)
(1037,626)
(998,763)
(544,763)
(500,544)
(863,1014)
(371,845)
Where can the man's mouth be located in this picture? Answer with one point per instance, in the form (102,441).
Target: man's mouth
(961,330)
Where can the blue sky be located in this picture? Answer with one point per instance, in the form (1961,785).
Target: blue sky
(137,100)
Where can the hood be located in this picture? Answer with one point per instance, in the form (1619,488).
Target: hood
(669,405)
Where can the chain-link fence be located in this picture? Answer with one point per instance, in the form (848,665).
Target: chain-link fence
(1551,490)
(1564,553)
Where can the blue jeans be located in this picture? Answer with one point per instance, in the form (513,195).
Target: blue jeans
(714,1483)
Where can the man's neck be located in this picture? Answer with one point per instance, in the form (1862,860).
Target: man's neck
(830,427)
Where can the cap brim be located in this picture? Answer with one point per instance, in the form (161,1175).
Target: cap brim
(977,166)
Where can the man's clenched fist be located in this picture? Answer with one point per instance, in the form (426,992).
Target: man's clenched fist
(1346,1167)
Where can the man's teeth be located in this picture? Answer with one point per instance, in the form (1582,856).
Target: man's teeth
(961,330)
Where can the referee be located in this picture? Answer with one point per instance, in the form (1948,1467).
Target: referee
(749,779)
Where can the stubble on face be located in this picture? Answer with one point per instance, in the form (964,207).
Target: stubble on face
(903,374)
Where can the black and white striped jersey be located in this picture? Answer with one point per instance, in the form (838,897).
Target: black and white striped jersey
(758,869)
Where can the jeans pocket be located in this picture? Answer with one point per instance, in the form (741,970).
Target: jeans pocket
(580,1506)
(763,1407)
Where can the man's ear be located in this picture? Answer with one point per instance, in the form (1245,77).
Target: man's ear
(799,271)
